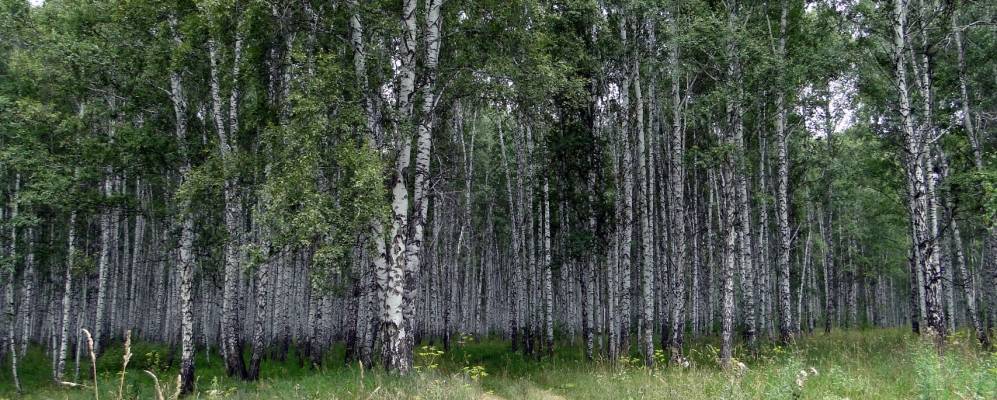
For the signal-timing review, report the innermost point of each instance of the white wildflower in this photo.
(741, 369)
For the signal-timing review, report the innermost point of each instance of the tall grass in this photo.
(869, 364)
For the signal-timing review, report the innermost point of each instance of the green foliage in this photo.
(145, 356)
(427, 357)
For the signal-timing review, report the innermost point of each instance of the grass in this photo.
(867, 364)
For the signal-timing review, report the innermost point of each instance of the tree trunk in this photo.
(548, 301)
(516, 265)
(392, 277)
(625, 225)
(28, 287)
(646, 341)
(186, 256)
(804, 288)
(231, 326)
(676, 177)
(9, 292)
(918, 203)
(964, 279)
(729, 230)
(827, 221)
(742, 206)
(990, 241)
(67, 292)
(137, 261)
(589, 294)
(782, 199)
(107, 240)
(420, 194)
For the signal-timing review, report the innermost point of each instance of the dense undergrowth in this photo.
(868, 364)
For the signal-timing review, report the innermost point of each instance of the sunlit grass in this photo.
(868, 364)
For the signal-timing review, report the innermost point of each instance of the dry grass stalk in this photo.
(93, 363)
(176, 394)
(124, 365)
(159, 389)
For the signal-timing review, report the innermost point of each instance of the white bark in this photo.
(625, 224)
(647, 244)
(676, 187)
(420, 197)
(28, 287)
(186, 256)
(104, 264)
(548, 301)
(917, 197)
(67, 292)
(393, 328)
(9, 292)
(782, 199)
(516, 264)
(233, 207)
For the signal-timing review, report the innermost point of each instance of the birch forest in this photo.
(497, 199)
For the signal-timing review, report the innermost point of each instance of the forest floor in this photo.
(858, 364)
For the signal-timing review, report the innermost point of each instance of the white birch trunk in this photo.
(231, 326)
(67, 292)
(782, 191)
(646, 341)
(104, 263)
(9, 287)
(548, 301)
(186, 256)
(918, 203)
(28, 287)
(676, 177)
(420, 196)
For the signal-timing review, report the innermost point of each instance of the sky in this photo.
(36, 3)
